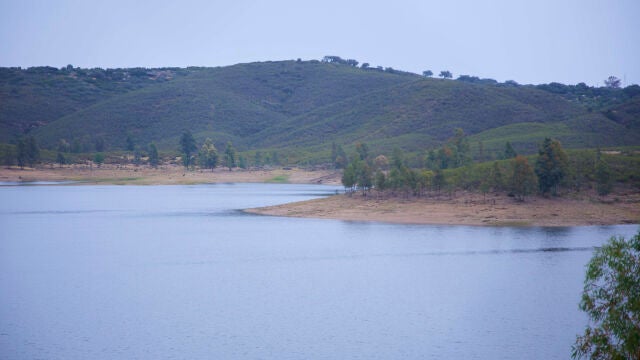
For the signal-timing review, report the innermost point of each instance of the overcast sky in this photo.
(530, 41)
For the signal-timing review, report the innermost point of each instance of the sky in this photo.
(529, 41)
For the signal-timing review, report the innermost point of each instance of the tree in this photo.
(612, 82)
(363, 151)
(154, 159)
(349, 177)
(21, 153)
(603, 177)
(230, 156)
(257, 160)
(98, 158)
(427, 73)
(33, 150)
(551, 166)
(8, 156)
(60, 159)
(445, 74)
(208, 155)
(611, 299)
(187, 147)
(242, 162)
(461, 147)
(523, 180)
(497, 179)
(509, 152)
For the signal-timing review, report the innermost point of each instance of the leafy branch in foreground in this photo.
(611, 298)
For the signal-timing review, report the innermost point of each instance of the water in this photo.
(164, 272)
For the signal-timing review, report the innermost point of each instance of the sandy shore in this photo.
(468, 209)
(166, 175)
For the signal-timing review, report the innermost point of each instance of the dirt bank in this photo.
(165, 175)
(469, 209)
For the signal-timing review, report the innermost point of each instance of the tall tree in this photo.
(551, 166)
(230, 156)
(33, 150)
(60, 159)
(427, 73)
(21, 153)
(208, 155)
(363, 151)
(188, 148)
(461, 147)
(154, 159)
(523, 180)
(603, 177)
(611, 299)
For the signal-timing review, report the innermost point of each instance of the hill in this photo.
(301, 107)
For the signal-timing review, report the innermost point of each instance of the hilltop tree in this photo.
(551, 166)
(208, 155)
(187, 147)
(427, 73)
(611, 299)
(230, 156)
(154, 159)
(445, 74)
(523, 180)
(612, 82)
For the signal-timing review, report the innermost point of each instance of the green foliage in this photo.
(509, 152)
(208, 155)
(523, 180)
(603, 178)
(60, 159)
(230, 156)
(301, 107)
(154, 159)
(187, 147)
(98, 158)
(551, 166)
(611, 299)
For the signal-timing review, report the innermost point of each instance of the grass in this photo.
(279, 179)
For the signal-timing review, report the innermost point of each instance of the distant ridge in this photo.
(301, 108)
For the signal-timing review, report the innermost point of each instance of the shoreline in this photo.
(464, 208)
(165, 175)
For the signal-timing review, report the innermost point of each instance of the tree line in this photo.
(449, 168)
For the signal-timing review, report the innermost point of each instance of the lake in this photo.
(178, 272)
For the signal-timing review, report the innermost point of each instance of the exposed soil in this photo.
(469, 209)
(165, 175)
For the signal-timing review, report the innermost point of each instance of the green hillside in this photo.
(301, 107)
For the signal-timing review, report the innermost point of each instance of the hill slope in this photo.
(296, 107)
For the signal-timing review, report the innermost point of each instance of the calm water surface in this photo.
(177, 272)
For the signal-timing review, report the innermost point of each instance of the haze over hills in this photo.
(300, 108)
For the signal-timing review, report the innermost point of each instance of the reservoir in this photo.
(180, 272)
